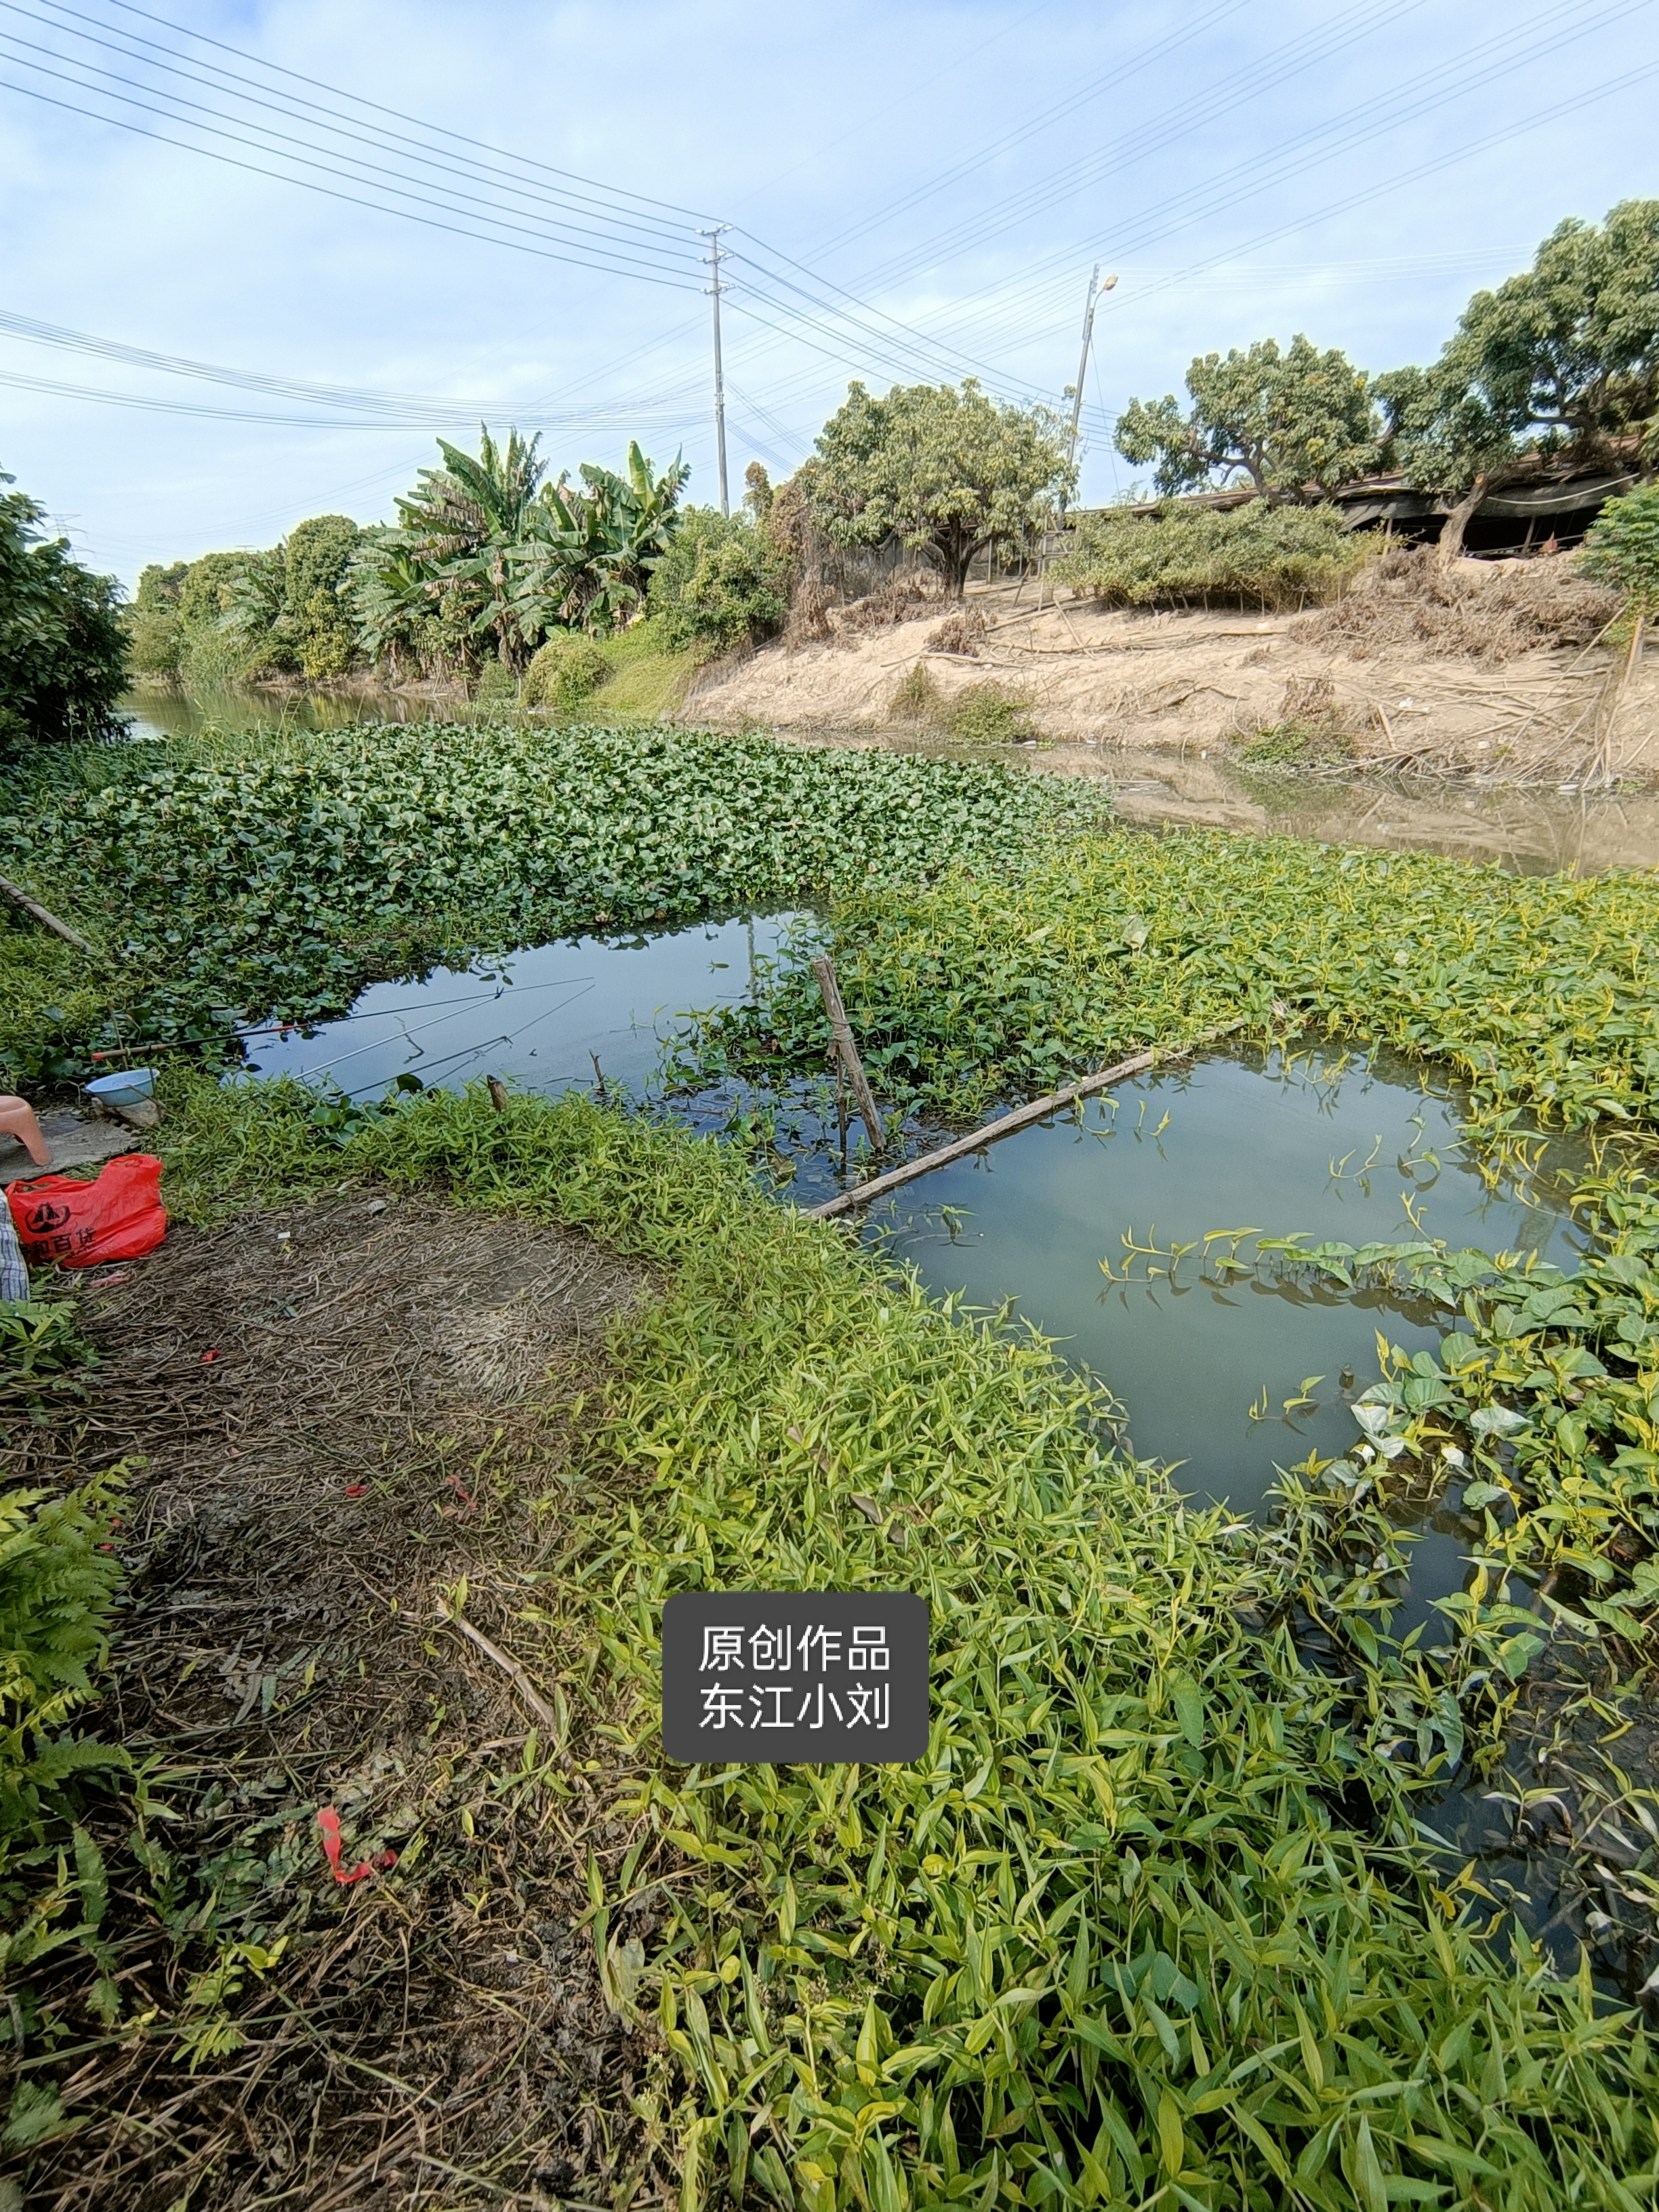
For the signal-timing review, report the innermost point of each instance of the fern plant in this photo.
(43, 1354)
(59, 1578)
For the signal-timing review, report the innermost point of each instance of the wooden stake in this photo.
(514, 1674)
(846, 1050)
(1039, 1109)
(44, 914)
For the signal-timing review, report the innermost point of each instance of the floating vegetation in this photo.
(1536, 990)
(283, 884)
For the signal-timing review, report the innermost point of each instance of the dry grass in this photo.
(900, 600)
(1486, 612)
(961, 633)
(386, 1410)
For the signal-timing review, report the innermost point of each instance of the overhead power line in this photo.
(527, 206)
(403, 410)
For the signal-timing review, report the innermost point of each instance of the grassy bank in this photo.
(1152, 1922)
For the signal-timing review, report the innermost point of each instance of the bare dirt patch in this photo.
(345, 1410)
(1189, 680)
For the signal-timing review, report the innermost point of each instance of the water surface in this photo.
(1212, 1363)
(540, 1019)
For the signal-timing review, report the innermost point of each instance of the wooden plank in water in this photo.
(1038, 1109)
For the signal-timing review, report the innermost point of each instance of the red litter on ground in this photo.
(356, 1489)
(206, 1356)
(328, 1820)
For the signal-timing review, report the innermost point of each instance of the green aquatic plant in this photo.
(1534, 989)
(1293, 744)
(987, 715)
(1153, 1920)
(284, 882)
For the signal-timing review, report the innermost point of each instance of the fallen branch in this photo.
(1038, 1109)
(515, 1674)
(44, 915)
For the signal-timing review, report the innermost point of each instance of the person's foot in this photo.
(18, 1119)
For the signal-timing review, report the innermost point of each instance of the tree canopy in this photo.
(1563, 358)
(948, 471)
(485, 548)
(63, 647)
(1292, 421)
(722, 584)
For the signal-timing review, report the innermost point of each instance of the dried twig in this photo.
(514, 1672)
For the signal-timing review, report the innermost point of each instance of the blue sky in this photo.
(914, 190)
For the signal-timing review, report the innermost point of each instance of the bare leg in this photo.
(17, 1119)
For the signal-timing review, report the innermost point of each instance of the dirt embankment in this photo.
(1432, 686)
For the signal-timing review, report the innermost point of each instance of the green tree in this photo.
(461, 521)
(495, 552)
(1293, 422)
(63, 643)
(586, 557)
(317, 613)
(721, 584)
(948, 472)
(1562, 359)
(1623, 549)
(154, 630)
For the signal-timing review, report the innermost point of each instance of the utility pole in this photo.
(713, 238)
(1097, 292)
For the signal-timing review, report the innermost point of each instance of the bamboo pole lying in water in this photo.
(1037, 1110)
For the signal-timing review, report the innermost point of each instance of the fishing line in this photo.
(409, 1036)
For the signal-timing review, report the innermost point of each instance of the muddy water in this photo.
(157, 714)
(1527, 831)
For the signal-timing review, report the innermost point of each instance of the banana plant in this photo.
(485, 545)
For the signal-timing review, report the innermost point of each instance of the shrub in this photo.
(1623, 549)
(1257, 555)
(721, 584)
(63, 644)
(154, 641)
(566, 671)
(918, 698)
(985, 714)
(498, 685)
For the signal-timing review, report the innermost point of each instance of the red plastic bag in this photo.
(119, 1216)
